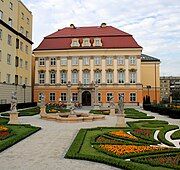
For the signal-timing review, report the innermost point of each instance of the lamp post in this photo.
(148, 87)
(24, 87)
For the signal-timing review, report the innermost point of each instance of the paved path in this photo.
(45, 149)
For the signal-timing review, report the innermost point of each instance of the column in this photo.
(103, 70)
(80, 69)
(36, 71)
(115, 70)
(127, 69)
(69, 69)
(58, 71)
(47, 71)
(92, 69)
(138, 70)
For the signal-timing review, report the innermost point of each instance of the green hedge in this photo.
(176, 135)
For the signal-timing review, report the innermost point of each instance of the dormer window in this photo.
(97, 42)
(86, 42)
(75, 42)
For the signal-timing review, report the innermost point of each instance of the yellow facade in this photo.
(16, 22)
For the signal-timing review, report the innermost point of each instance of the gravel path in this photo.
(45, 149)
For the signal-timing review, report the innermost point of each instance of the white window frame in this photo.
(75, 42)
(132, 60)
(99, 97)
(108, 96)
(109, 60)
(85, 61)
(120, 60)
(133, 97)
(97, 77)
(132, 77)
(41, 61)
(121, 77)
(53, 61)
(74, 97)
(97, 60)
(109, 76)
(63, 97)
(9, 59)
(63, 61)
(41, 77)
(9, 39)
(86, 77)
(63, 77)
(74, 61)
(86, 42)
(53, 77)
(74, 77)
(52, 96)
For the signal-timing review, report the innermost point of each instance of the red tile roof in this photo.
(111, 38)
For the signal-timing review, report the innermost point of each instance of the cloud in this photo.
(154, 24)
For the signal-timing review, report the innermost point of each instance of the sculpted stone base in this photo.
(120, 120)
(112, 111)
(13, 118)
(43, 110)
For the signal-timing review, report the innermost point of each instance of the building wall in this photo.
(150, 76)
(25, 55)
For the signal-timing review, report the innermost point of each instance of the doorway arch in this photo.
(86, 98)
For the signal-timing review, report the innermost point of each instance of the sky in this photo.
(155, 24)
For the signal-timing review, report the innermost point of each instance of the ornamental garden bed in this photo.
(12, 134)
(123, 147)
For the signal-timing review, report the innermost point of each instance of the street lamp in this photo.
(24, 87)
(148, 87)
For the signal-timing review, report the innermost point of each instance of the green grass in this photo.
(103, 112)
(83, 149)
(135, 114)
(176, 135)
(4, 120)
(26, 112)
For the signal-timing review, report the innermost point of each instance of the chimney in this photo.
(103, 24)
(72, 26)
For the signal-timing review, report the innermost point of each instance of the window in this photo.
(0, 34)
(74, 77)
(1, 15)
(8, 78)
(109, 96)
(97, 77)
(132, 97)
(85, 60)
(10, 22)
(132, 60)
(27, 34)
(86, 42)
(28, 21)
(0, 55)
(120, 60)
(27, 51)
(64, 61)
(86, 77)
(16, 61)
(52, 77)
(53, 61)
(21, 30)
(63, 77)
(41, 61)
(21, 63)
(9, 40)
(22, 15)
(74, 97)
(99, 97)
(97, 61)
(132, 75)
(40, 96)
(74, 61)
(63, 97)
(75, 42)
(121, 77)
(109, 76)
(119, 95)
(20, 81)
(97, 42)
(109, 60)
(17, 43)
(26, 65)
(26, 81)
(21, 46)
(9, 59)
(52, 97)
(11, 5)
(41, 77)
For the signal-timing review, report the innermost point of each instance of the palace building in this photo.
(90, 65)
(15, 51)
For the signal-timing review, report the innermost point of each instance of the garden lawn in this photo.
(26, 112)
(176, 135)
(135, 114)
(83, 147)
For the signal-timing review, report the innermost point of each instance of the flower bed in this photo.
(122, 134)
(4, 132)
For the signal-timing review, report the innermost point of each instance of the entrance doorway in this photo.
(86, 98)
